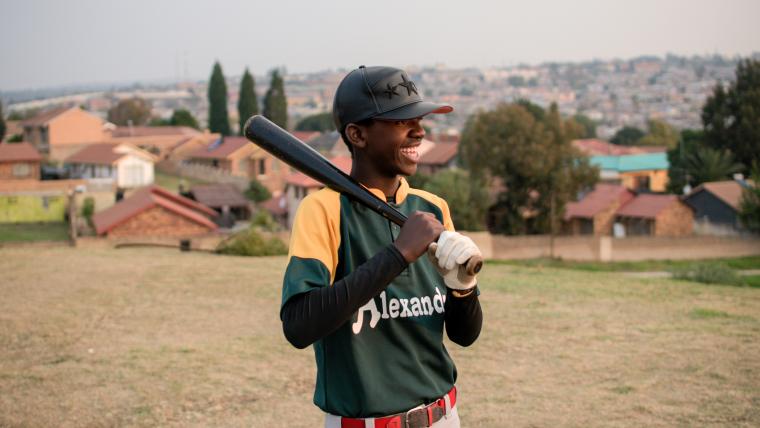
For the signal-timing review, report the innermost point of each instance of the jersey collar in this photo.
(401, 193)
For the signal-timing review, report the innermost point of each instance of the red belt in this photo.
(418, 417)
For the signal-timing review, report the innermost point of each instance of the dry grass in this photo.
(145, 337)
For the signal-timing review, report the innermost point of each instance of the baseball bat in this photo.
(289, 149)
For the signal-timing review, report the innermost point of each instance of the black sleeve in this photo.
(313, 315)
(463, 317)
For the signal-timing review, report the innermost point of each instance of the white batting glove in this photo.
(450, 253)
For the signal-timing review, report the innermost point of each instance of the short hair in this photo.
(363, 122)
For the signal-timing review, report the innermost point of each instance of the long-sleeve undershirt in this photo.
(315, 314)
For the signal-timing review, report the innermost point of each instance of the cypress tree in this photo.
(217, 102)
(2, 122)
(248, 105)
(275, 103)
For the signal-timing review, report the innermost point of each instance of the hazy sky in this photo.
(53, 42)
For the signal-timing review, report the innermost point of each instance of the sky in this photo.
(50, 43)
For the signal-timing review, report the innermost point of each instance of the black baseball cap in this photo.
(380, 93)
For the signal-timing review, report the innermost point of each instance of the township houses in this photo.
(717, 204)
(154, 211)
(299, 185)
(120, 165)
(173, 142)
(239, 157)
(642, 214)
(60, 132)
(19, 161)
(595, 147)
(638, 172)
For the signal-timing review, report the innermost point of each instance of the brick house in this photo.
(122, 165)
(162, 140)
(638, 172)
(19, 161)
(595, 213)
(155, 212)
(656, 215)
(717, 204)
(240, 157)
(60, 132)
(223, 198)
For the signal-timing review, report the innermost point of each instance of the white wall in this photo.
(134, 171)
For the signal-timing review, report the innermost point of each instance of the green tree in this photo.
(678, 173)
(749, 208)
(182, 117)
(467, 198)
(134, 111)
(248, 105)
(660, 134)
(627, 136)
(257, 192)
(731, 116)
(322, 122)
(528, 151)
(218, 121)
(275, 103)
(588, 125)
(2, 122)
(707, 164)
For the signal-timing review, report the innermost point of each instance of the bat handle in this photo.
(471, 266)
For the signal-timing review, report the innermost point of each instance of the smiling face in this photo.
(392, 146)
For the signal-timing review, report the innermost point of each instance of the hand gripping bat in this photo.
(289, 149)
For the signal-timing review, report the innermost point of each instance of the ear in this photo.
(357, 135)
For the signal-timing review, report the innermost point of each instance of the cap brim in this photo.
(415, 110)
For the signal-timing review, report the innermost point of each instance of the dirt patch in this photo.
(146, 337)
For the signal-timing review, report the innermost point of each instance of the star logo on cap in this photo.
(391, 91)
(409, 85)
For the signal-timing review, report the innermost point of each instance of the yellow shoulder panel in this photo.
(439, 202)
(316, 229)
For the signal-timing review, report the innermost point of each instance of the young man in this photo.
(357, 286)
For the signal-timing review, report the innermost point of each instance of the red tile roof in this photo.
(221, 150)
(99, 154)
(594, 147)
(302, 180)
(146, 198)
(219, 195)
(151, 131)
(440, 154)
(14, 152)
(646, 205)
(599, 199)
(45, 116)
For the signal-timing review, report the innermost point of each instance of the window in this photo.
(262, 166)
(21, 169)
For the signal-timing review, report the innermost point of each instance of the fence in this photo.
(604, 248)
(201, 172)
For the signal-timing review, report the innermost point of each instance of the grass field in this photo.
(750, 262)
(30, 232)
(155, 337)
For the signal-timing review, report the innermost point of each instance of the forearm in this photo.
(464, 317)
(311, 316)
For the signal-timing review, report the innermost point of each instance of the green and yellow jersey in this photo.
(389, 357)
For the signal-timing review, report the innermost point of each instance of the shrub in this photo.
(251, 243)
(257, 192)
(264, 221)
(708, 273)
(88, 209)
